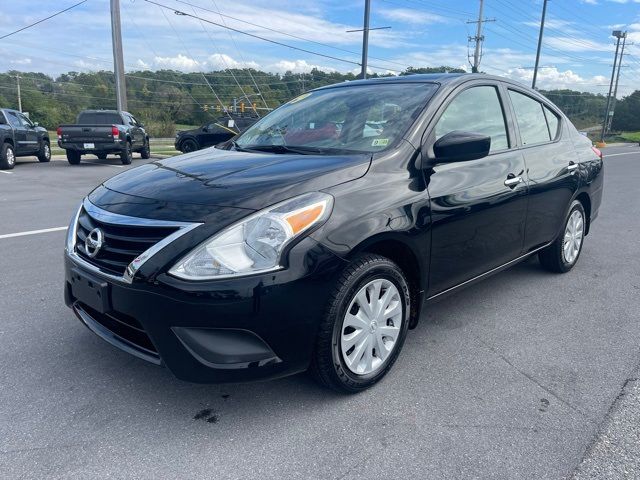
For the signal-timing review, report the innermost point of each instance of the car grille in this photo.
(121, 245)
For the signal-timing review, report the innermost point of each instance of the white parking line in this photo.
(4, 171)
(615, 154)
(32, 232)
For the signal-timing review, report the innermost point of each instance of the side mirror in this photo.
(460, 146)
(141, 125)
(36, 124)
(205, 128)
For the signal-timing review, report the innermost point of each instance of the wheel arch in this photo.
(584, 198)
(396, 248)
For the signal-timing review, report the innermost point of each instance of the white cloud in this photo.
(414, 17)
(552, 78)
(224, 61)
(180, 62)
(296, 66)
(21, 61)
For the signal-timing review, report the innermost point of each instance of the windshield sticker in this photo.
(300, 97)
(380, 142)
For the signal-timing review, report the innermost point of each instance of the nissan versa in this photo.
(315, 238)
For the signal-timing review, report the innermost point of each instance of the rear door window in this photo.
(478, 110)
(530, 118)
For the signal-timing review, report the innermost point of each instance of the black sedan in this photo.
(214, 133)
(315, 240)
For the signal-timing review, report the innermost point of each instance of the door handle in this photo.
(572, 167)
(512, 180)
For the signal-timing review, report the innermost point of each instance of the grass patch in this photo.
(630, 137)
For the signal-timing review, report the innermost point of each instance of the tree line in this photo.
(161, 99)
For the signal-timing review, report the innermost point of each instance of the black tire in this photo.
(328, 365)
(73, 157)
(126, 155)
(101, 156)
(44, 155)
(189, 145)
(7, 157)
(552, 258)
(145, 153)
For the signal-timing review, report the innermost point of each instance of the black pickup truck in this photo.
(20, 137)
(100, 132)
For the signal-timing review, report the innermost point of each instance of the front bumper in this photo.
(228, 330)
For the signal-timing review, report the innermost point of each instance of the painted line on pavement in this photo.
(604, 154)
(32, 232)
(4, 171)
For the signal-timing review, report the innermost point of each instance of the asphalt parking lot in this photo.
(522, 376)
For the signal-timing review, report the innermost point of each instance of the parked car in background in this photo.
(100, 132)
(213, 133)
(20, 137)
(301, 245)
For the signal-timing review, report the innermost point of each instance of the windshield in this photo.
(363, 118)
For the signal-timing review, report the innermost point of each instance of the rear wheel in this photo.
(145, 153)
(126, 155)
(44, 155)
(563, 253)
(73, 157)
(364, 327)
(7, 157)
(189, 145)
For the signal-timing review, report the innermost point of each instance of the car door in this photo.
(551, 166)
(19, 133)
(31, 134)
(208, 135)
(136, 132)
(478, 207)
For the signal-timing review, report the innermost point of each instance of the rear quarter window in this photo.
(553, 122)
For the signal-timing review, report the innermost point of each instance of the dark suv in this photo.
(20, 137)
(213, 133)
(316, 238)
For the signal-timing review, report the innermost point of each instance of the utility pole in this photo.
(615, 88)
(19, 96)
(535, 69)
(365, 38)
(479, 38)
(619, 35)
(118, 62)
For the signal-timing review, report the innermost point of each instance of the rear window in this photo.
(99, 118)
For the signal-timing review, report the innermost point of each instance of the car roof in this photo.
(440, 78)
(101, 111)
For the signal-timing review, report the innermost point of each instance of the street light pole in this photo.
(535, 69)
(118, 62)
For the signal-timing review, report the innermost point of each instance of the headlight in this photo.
(255, 244)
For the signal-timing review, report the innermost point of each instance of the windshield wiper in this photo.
(278, 149)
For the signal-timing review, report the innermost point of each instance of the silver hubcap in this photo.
(573, 237)
(47, 151)
(11, 158)
(371, 327)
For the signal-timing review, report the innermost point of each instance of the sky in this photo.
(577, 50)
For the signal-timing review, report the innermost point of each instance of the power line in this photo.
(42, 20)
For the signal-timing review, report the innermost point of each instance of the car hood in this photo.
(237, 179)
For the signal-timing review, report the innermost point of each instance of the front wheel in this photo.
(563, 253)
(44, 155)
(126, 155)
(364, 327)
(189, 145)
